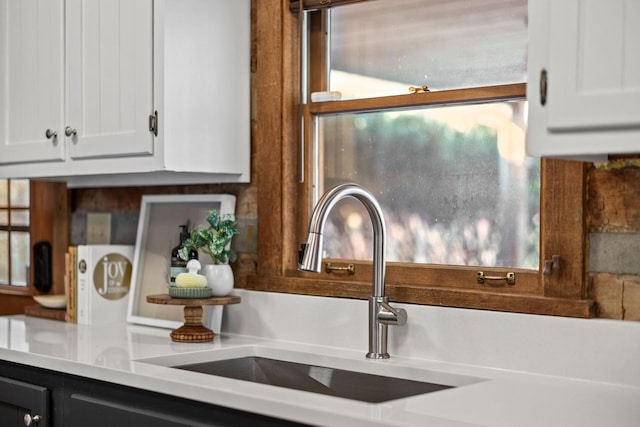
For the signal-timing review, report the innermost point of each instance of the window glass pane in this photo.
(19, 192)
(383, 47)
(4, 217)
(19, 258)
(20, 217)
(454, 184)
(4, 257)
(4, 195)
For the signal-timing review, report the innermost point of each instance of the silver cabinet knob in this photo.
(51, 134)
(29, 420)
(69, 131)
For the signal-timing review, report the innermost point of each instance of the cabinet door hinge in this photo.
(153, 123)
(543, 87)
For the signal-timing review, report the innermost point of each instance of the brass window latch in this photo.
(419, 89)
(510, 278)
(349, 268)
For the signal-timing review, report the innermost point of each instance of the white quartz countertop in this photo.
(140, 356)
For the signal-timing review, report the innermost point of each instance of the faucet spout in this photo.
(311, 251)
(381, 314)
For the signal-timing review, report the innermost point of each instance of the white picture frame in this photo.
(158, 233)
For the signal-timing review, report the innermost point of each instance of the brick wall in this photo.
(124, 206)
(613, 210)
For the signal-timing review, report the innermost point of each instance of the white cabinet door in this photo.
(589, 50)
(203, 81)
(594, 67)
(109, 77)
(31, 80)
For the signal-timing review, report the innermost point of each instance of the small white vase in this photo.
(219, 277)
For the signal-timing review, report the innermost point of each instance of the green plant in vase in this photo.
(213, 239)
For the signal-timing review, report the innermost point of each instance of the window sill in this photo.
(426, 295)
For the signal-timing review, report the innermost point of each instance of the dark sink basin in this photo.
(317, 379)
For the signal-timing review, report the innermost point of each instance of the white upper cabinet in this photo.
(31, 80)
(109, 90)
(137, 92)
(584, 78)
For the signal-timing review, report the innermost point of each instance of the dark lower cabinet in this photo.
(104, 412)
(63, 400)
(23, 404)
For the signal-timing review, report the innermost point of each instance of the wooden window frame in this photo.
(283, 208)
(48, 221)
(10, 228)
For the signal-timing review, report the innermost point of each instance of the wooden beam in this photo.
(50, 223)
(269, 83)
(562, 212)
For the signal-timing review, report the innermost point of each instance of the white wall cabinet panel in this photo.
(203, 83)
(109, 89)
(187, 60)
(31, 80)
(590, 54)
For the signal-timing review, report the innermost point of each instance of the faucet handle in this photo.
(388, 315)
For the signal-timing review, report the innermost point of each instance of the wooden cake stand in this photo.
(193, 330)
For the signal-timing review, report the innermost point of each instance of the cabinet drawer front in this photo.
(108, 413)
(19, 398)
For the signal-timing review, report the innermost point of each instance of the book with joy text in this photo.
(103, 283)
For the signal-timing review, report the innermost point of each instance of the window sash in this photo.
(318, 79)
(510, 92)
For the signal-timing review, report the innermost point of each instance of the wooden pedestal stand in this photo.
(193, 330)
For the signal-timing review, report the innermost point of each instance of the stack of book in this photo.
(97, 281)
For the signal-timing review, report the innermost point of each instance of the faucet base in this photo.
(377, 355)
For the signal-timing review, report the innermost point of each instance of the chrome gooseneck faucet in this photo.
(381, 314)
